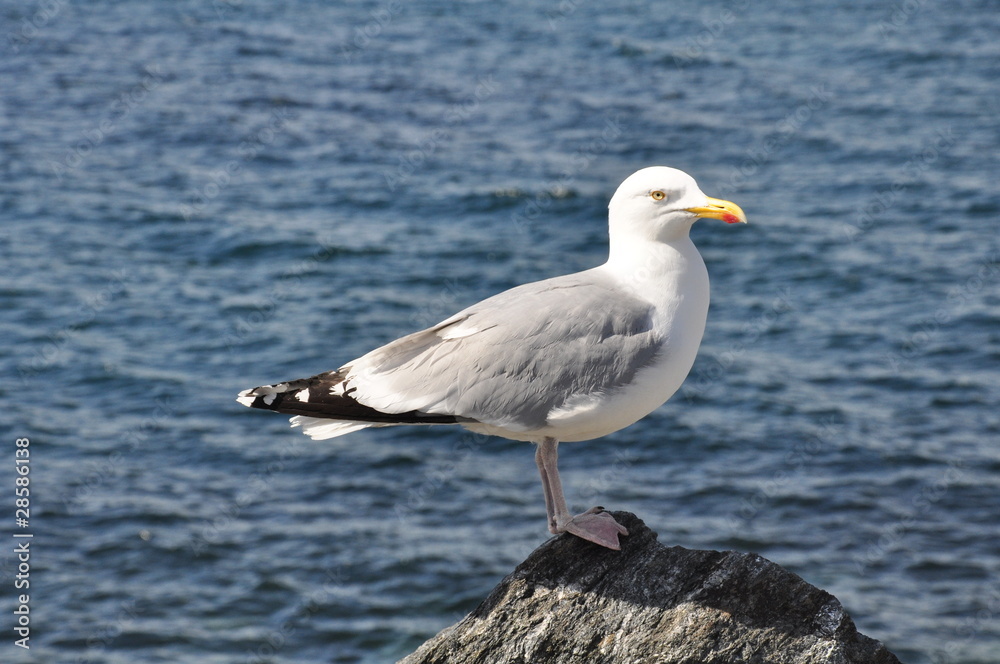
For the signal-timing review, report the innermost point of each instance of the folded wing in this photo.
(508, 361)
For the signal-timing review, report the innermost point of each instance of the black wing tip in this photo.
(314, 397)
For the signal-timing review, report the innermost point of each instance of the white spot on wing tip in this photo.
(265, 392)
(303, 395)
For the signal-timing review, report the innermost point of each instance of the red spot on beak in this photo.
(730, 219)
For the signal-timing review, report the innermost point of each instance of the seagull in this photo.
(565, 359)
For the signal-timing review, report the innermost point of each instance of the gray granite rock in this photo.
(572, 602)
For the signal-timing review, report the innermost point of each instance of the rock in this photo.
(575, 602)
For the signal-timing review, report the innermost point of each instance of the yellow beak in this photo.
(731, 213)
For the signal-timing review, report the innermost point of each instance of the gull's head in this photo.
(661, 203)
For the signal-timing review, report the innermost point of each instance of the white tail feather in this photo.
(319, 428)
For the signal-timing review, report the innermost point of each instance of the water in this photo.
(202, 197)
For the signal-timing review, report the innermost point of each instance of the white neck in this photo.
(654, 269)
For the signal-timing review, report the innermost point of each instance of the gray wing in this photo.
(514, 358)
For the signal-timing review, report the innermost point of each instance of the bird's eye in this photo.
(657, 195)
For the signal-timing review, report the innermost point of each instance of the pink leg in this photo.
(594, 525)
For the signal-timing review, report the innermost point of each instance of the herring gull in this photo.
(565, 359)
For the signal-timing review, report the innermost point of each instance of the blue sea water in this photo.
(199, 197)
